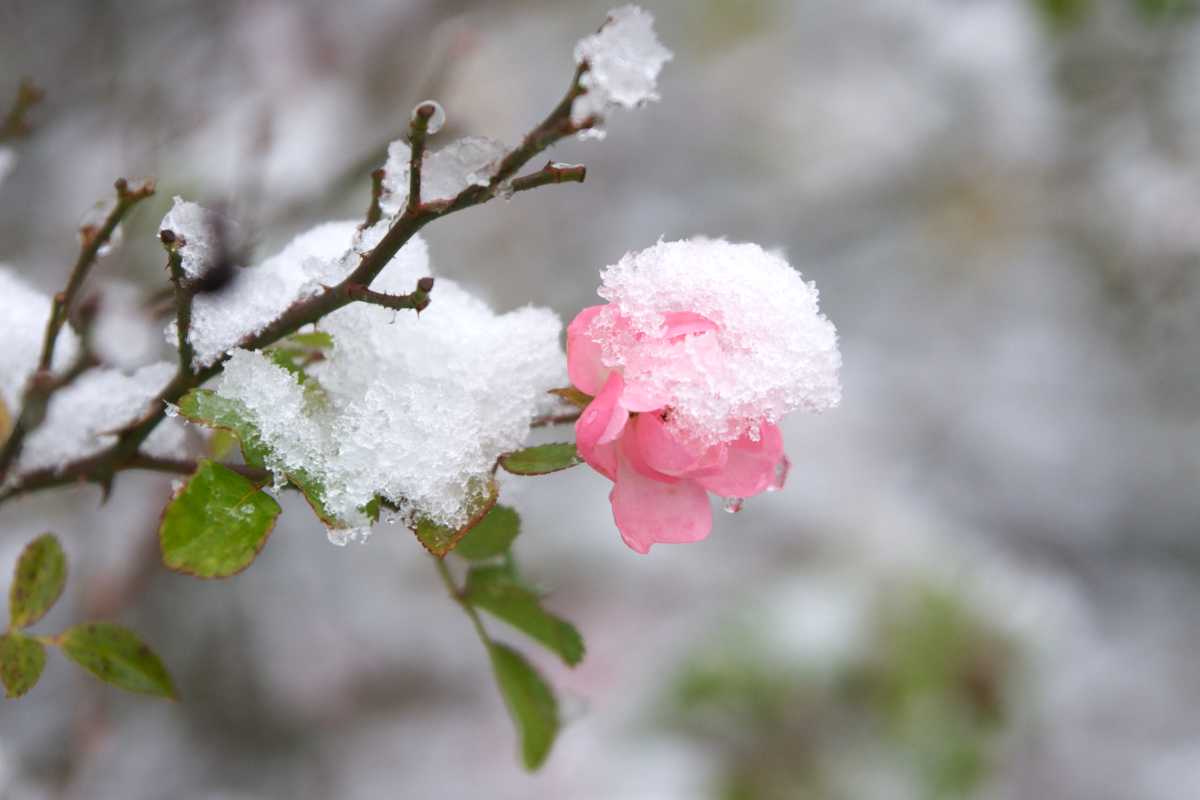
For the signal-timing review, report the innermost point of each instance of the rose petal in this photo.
(584, 367)
(750, 467)
(661, 450)
(684, 323)
(649, 512)
(600, 424)
(639, 396)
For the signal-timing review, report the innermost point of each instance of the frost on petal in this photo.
(623, 60)
(321, 256)
(771, 351)
(415, 409)
(198, 229)
(23, 315)
(85, 416)
(471, 161)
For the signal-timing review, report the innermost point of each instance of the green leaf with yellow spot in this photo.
(116, 655)
(38, 581)
(216, 524)
(21, 660)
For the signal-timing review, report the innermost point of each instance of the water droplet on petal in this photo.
(437, 120)
(781, 472)
(732, 505)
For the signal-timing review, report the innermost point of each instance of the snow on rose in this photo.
(703, 347)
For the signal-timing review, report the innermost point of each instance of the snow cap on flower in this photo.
(703, 346)
(624, 59)
(772, 351)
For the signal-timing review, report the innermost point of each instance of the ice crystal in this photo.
(623, 60)
(471, 161)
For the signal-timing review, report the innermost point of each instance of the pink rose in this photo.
(704, 346)
(661, 481)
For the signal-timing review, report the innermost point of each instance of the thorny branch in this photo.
(102, 467)
(43, 384)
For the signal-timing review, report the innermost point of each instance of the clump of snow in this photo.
(773, 351)
(197, 228)
(471, 161)
(85, 417)
(413, 408)
(8, 162)
(322, 256)
(24, 312)
(623, 60)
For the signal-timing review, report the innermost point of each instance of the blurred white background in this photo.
(983, 575)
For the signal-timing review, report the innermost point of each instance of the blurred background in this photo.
(983, 577)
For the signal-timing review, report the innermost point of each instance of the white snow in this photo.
(413, 408)
(24, 312)
(86, 416)
(322, 256)
(773, 352)
(624, 59)
(196, 227)
(471, 161)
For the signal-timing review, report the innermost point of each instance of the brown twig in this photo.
(417, 300)
(183, 300)
(43, 383)
(15, 125)
(374, 211)
(123, 454)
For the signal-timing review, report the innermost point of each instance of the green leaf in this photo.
(216, 525)
(530, 703)
(492, 536)
(206, 407)
(573, 396)
(315, 340)
(21, 661)
(38, 581)
(541, 459)
(439, 539)
(116, 655)
(494, 590)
